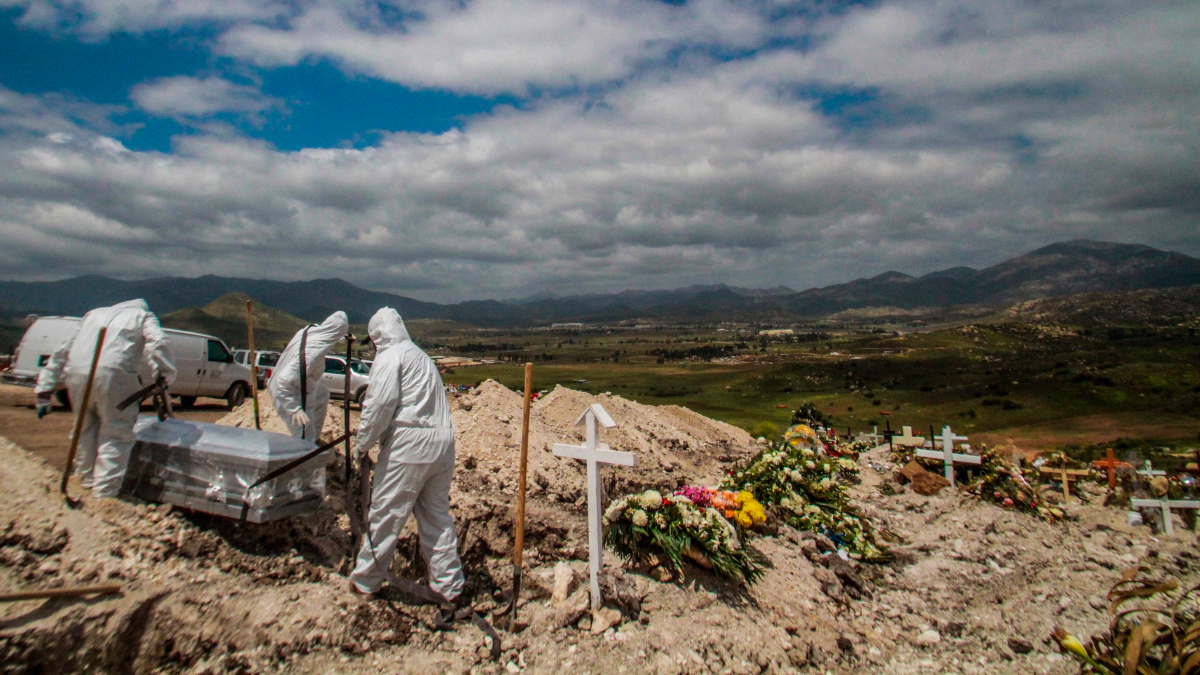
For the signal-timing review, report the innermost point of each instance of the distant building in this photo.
(567, 325)
(777, 331)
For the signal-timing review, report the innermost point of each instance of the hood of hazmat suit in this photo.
(284, 386)
(106, 434)
(405, 390)
(406, 412)
(134, 335)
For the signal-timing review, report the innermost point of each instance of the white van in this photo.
(205, 363)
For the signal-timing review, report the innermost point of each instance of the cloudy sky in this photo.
(460, 149)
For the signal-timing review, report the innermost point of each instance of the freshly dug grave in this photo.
(974, 588)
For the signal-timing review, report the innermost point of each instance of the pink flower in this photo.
(1008, 501)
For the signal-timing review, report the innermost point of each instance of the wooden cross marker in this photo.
(1166, 505)
(947, 454)
(907, 439)
(1064, 474)
(594, 453)
(1111, 464)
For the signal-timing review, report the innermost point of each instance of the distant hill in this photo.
(1066, 268)
(225, 317)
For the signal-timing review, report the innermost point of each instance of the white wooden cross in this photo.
(907, 439)
(1166, 505)
(874, 438)
(947, 454)
(594, 453)
(1149, 471)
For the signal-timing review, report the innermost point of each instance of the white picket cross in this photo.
(947, 455)
(594, 453)
(1166, 505)
(1149, 471)
(874, 438)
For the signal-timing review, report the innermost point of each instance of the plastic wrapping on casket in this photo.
(207, 467)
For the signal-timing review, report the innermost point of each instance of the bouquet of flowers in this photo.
(1005, 484)
(639, 525)
(742, 508)
(806, 489)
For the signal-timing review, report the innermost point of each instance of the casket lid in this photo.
(217, 439)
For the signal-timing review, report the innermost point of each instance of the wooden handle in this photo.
(253, 361)
(519, 550)
(82, 410)
(102, 589)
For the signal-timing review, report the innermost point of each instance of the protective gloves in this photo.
(300, 419)
(45, 403)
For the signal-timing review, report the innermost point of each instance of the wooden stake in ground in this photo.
(253, 361)
(80, 412)
(519, 546)
(594, 453)
(102, 589)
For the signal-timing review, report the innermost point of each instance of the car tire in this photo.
(360, 395)
(64, 399)
(187, 401)
(236, 395)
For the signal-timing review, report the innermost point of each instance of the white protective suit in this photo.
(284, 385)
(405, 410)
(106, 437)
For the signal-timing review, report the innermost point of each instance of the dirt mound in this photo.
(974, 588)
(243, 416)
(190, 599)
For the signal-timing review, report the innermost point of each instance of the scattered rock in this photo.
(1020, 645)
(929, 638)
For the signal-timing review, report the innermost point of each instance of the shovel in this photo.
(82, 411)
(519, 546)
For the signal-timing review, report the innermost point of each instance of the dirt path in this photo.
(49, 437)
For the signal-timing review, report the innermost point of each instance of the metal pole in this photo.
(253, 363)
(81, 411)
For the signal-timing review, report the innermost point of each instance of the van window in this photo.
(268, 359)
(335, 366)
(217, 352)
(240, 356)
(360, 367)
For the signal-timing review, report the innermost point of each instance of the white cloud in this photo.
(972, 131)
(191, 97)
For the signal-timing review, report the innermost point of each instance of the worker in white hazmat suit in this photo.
(406, 411)
(305, 421)
(106, 438)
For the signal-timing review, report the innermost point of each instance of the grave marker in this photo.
(1166, 505)
(1111, 464)
(594, 453)
(907, 439)
(1065, 475)
(947, 454)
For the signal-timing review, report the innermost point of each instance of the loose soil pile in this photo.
(973, 589)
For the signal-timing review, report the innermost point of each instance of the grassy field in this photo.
(1043, 386)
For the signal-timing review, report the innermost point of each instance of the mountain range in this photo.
(1065, 268)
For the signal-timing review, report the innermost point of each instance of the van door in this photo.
(335, 376)
(217, 369)
(189, 362)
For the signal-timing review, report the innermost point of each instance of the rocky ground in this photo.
(973, 589)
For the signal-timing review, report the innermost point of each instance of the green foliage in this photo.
(807, 413)
(764, 430)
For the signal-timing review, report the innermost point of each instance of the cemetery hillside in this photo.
(979, 472)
